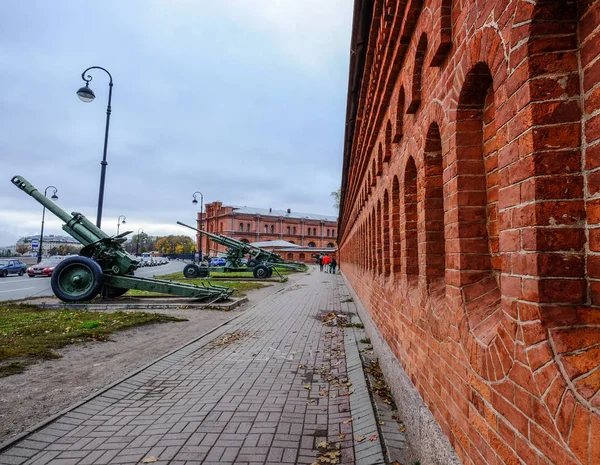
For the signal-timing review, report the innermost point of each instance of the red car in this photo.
(44, 268)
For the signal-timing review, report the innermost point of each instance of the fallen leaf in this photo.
(151, 459)
(373, 438)
(308, 386)
(402, 428)
(348, 420)
(302, 366)
(310, 401)
(360, 438)
(323, 393)
(323, 444)
(342, 436)
(382, 422)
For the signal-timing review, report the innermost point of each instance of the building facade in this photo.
(51, 244)
(470, 222)
(248, 224)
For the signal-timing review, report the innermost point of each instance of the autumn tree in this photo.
(175, 245)
(22, 247)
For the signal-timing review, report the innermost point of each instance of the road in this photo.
(16, 287)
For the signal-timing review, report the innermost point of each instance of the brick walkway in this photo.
(266, 388)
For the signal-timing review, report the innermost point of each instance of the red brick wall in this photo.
(470, 218)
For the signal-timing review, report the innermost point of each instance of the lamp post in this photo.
(41, 244)
(195, 202)
(119, 222)
(86, 95)
(137, 243)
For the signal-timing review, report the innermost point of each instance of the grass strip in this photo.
(239, 287)
(29, 333)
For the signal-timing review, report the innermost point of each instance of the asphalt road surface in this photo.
(15, 287)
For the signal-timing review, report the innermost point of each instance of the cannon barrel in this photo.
(238, 245)
(76, 224)
(30, 189)
(220, 239)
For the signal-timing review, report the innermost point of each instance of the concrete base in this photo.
(426, 441)
(139, 303)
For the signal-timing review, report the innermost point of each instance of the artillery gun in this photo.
(260, 261)
(103, 266)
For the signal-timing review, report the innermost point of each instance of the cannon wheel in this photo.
(191, 271)
(76, 279)
(270, 272)
(261, 272)
(251, 263)
(202, 272)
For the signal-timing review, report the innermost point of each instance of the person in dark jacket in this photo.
(320, 262)
(333, 265)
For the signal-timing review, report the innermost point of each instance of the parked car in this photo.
(45, 267)
(218, 261)
(12, 267)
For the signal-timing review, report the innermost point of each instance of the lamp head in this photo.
(195, 202)
(86, 94)
(123, 222)
(54, 197)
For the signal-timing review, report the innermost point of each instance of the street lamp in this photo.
(55, 198)
(86, 95)
(195, 202)
(119, 222)
(137, 243)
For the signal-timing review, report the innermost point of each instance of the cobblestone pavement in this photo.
(267, 388)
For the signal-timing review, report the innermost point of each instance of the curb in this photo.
(364, 423)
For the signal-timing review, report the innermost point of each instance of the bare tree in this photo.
(336, 198)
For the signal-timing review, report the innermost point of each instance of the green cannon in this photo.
(260, 261)
(103, 266)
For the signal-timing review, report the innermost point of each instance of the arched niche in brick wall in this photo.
(433, 209)
(417, 75)
(379, 168)
(387, 154)
(385, 232)
(474, 202)
(379, 238)
(373, 242)
(374, 172)
(398, 133)
(409, 220)
(396, 228)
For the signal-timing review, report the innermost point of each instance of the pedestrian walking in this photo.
(333, 265)
(320, 262)
(326, 261)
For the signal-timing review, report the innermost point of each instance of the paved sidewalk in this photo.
(267, 388)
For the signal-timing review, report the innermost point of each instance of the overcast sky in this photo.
(243, 100)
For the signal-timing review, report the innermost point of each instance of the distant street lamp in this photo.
(119, 222)
(137, 243)
(195, 202)
(55, 198)
(86, 95)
